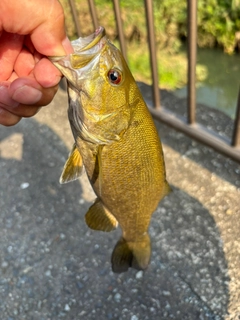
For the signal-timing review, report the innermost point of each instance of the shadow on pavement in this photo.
(54, 267)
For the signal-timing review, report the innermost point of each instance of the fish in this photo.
(117, 143)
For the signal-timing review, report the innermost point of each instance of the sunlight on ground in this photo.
(212, 194)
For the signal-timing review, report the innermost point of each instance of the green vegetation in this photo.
(218, 26)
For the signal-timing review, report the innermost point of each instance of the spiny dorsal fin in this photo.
(73, 166)
(99, 218)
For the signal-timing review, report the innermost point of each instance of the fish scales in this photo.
(117, 143)
(127, 176)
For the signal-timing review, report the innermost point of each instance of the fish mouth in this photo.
(85, 49)
(88, 43)
(89, 46)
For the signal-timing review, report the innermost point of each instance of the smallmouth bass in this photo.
(117, 143)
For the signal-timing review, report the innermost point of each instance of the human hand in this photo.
(29, 32)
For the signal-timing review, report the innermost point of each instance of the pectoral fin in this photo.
(99, 218)
(73, 166)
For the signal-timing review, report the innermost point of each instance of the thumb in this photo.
(42, 20)
(50, 38)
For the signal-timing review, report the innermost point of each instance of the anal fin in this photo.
(73, 166)
(99, 218)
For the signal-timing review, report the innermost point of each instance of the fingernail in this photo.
(27, 95)
(5, 99)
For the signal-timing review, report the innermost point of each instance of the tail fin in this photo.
(135, 254)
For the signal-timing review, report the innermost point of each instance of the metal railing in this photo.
(188, 125)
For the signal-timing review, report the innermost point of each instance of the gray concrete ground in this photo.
(53, 267)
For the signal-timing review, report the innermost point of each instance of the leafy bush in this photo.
(218, 21)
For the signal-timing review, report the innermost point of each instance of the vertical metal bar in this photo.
(236, 130)
(152, 50)
(93, 13)
(117, 12)
(192, 54)
(75, 17)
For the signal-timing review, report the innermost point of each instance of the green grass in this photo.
(172, 68)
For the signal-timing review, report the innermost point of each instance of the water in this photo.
(220, 88)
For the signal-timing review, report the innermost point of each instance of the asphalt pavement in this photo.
(53, 267)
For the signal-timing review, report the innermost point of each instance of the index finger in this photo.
(50, 38)
(11, 45)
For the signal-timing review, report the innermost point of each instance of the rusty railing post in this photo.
(192, 56)
(93, 12)
(236, 130)
(75, 17)
(152, 49)
(118, 18)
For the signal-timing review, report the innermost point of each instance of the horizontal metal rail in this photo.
(197, 132)
(230, 148)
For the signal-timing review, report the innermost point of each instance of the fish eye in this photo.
(114, 76)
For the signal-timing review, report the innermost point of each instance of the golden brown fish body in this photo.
(117, 143)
